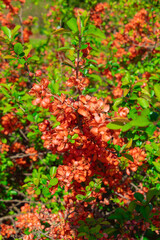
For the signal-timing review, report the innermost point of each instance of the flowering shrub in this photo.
(79, 121)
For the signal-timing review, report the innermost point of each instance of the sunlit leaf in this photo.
(72, 24)
(61, 31)
(157, 91)
(18, 48)
(7, 32)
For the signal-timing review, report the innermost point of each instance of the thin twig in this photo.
(78, 51)
(22, 155)
(62, 102)
(120, 195)
(132, 184)
(22, 133)
(142, 235)
(21, 23)
(19, 192)
(14, 200)
(9, 217)
(40, 232)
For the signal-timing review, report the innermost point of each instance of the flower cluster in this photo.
(95, 13)
(10, 123)
(43, 95)
(137, 36)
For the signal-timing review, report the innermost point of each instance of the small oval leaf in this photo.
(53, 182)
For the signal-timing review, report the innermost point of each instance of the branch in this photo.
(77, 68)
(9, 217)
(142, 235)
(22, 133)
(45, 234)
(21, 23)
(62, 102)
(120, 195)
(19, 201)
(19, 192)
(22, 155)
(133, 185)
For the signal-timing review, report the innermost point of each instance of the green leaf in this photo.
(95, 77)
(27, 180)
(18, 48)
(146, 212)
(143, 102)
(120, 120)
(95, 32)
(128, 156)
(105, 222)
(38, 192)
(44, 181)
(21, 61)
(157, 166)
(7, 32)
(139, 196)
(88, 188)
(72, 24)
(90, 199)
(148, 147)
(7, 108)
(95, 229)
(26, 231)
(45, 191)
(31, 134)
(150, 129)
(13, 192)
(34, 58)
(30, 118)
(117, 102)
(120, 214)
(80, 197)
(82, 234)
(36, 181)
(75, 136)
(65, 49)
(53, 171)
(133, 97)
(83, 229)
(5, 92)
(15, 30)
(99, 235)
(129, 144)
(115, 125)
(88, 193)
(81, 222)
(26, 51)
(126, 127)
(157, 91)
(132, 206)
(151, 193)
(91, 184)
(84, 46)
(126, 79)
(110, 230)
(60, 31)
(9, 57)
(91, 90)
(69, 63)
(53, 182)
(158, 186)
(140, 121)
(155, 146)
